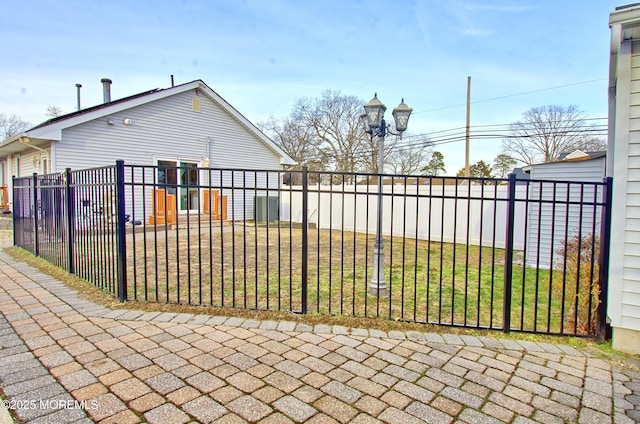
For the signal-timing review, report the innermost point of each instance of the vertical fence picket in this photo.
(70, 207)
(605, 245)
(508, 257)
(305, 236)
(36, 224)
(17, 212)
(121, 233)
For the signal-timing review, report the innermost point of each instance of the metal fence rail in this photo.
(65, 219)
(24, 217)
(250, 261)
(510, 254)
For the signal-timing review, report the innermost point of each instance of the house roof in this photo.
(93, 108)
(575, 156)
(625, 25)
(580, 155)
(52, 129)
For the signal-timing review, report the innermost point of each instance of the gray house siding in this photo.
(168, 129)
(27, 163)
(546, 236)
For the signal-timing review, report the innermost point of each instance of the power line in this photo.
(599, 131)
(506, 127)
(512, 95)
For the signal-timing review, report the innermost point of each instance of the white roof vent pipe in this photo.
(106, 89)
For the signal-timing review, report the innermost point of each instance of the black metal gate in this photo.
(508, 254)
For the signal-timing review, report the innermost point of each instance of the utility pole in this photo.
(466, 150)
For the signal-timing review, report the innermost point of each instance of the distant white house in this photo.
(547, 222)
(188, 126)
(577, 166)
(623, 164)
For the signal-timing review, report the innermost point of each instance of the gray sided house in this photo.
(547, 222)
(623, 165)
(183, 128)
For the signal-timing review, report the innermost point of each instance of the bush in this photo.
(581, 291)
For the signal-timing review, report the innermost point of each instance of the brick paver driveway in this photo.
(67, 360)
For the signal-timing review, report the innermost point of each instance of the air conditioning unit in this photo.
(265, 208)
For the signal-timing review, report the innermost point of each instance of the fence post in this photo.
(36, 243)
(508, 254)
(305, 235)
(605, 245)
(121, 236)
(15, 210)
(70, 220)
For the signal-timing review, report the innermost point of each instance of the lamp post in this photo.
(375, 125)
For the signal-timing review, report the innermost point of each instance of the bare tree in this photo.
(368, 159)
(408, 159)
(327, 134)
(544, 133)
(12, 125)
(335, 120)
(54, 111)
(293, 137)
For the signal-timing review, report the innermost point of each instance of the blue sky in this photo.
(263, 55)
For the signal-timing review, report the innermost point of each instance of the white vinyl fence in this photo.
(474, 215)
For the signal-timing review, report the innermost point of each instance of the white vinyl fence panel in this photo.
(476, 215)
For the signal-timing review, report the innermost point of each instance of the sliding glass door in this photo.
(180, 178)
(188, 186)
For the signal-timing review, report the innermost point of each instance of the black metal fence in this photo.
(524, 255)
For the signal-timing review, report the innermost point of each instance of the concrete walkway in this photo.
(63, 359)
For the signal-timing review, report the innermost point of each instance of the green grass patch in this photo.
(261, 268)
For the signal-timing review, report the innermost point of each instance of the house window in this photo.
(181, 178)
(167, 175)
(45, 165)
(195, 105)
(188, 186)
